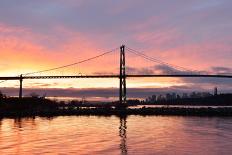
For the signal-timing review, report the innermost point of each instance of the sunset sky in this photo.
(42, 34)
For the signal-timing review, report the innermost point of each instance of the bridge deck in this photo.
(115, 76)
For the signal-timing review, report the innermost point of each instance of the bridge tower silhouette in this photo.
(176, 71)
(21, 86)
(122, 77)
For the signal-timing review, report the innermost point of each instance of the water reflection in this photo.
(116, 135)
(122, 134)
(23, 122)
(0, 124)
(18, 122)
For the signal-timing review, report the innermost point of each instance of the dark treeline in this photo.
(39, 106)
(30, 107)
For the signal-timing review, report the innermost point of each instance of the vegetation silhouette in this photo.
(39, 106)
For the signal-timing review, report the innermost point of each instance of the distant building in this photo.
(185, 95)
(215, 91)
(168, 96)
(171, 96)
(160, 98)
(153, 98)
(194, 95)
(205, 94)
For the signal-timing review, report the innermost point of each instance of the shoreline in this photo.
(157, 111)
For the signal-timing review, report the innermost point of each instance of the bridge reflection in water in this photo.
(19, 123)
(109, 135)
(122, 134)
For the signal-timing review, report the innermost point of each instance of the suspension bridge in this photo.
(122, 76)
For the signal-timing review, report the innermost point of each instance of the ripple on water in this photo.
(114, 135)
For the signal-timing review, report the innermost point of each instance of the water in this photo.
(114, 135)
(91, 99)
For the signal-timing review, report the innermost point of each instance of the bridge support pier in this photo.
(122, 86)
(21, 87)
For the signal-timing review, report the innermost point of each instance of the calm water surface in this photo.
(114, 135)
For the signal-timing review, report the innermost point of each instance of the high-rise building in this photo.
(185, 95)
(153, 98)
(215, 91)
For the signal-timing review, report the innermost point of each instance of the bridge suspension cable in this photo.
(172, 66)
(72, 64)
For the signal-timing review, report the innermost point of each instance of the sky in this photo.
(37, 35)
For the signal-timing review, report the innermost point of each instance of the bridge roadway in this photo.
(113, 76)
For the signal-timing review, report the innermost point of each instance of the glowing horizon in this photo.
(57, 33)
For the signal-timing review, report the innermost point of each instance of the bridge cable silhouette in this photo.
(122, 76)
(65, 66)
(176, 67)
(76, 63)
(172, 66)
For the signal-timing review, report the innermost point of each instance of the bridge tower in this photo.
(21, 86)
(122, 86)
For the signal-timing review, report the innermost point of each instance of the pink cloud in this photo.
(27, 54)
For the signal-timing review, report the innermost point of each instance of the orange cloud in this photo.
(25, 51)
(23, 54)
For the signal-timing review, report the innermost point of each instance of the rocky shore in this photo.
(174, 111)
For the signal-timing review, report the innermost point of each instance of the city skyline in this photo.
(115, 77)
